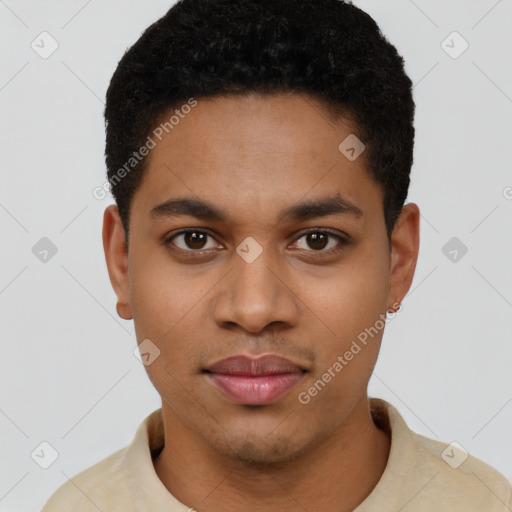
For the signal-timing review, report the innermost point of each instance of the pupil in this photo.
(195, 240)
(317, 240)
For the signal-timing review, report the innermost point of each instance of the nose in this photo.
(255, 295)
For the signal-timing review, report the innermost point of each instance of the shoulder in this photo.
(87, 491)
(424, 474)
(458, 480)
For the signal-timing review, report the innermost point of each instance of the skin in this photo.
(252, 156)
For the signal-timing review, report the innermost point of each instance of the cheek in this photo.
(162, 294)
(171, 308)
(345, 361)
(350, 299)
(348, 320)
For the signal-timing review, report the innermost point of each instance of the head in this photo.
(280, 134)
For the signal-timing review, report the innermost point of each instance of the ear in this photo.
(116, 255)
(405, 243)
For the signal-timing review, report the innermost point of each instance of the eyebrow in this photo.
(204, 210)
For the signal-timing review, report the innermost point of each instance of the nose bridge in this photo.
(254, 295)
(255, 278)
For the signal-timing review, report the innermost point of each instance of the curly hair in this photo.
(328, 49)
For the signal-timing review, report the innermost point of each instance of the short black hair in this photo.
(328, 49)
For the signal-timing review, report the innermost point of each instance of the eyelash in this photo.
(343, 241)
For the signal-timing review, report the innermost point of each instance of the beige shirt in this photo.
(422, 475)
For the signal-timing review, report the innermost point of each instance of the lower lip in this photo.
(255, 390)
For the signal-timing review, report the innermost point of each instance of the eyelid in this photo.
(343, 239)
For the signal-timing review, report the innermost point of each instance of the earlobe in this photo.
(116, 256)
(395, 307)
(124, 311)
(404, 251)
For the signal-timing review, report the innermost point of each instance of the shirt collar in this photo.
(150, 494)
(386, 495)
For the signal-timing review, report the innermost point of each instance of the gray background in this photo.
(68, 373)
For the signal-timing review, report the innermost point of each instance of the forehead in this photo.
(251, 155)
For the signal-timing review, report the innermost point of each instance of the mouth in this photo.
(255, 381)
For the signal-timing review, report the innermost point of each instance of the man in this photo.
(259, 152)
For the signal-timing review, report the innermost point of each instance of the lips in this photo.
(255, 381)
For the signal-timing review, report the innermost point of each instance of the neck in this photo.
(341, 470)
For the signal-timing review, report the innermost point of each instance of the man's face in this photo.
(254, 282)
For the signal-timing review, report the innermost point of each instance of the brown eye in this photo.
(195, 240)
(317, 240)
(191, 240)
(320, 241)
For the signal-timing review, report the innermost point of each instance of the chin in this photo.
(264, 452)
